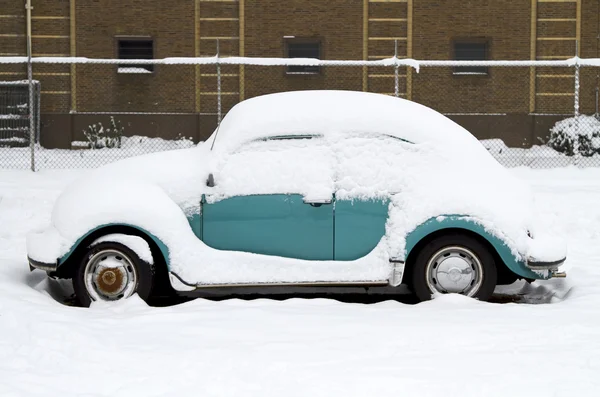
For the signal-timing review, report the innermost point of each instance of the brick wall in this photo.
(505, 25)
(335, 24)
(170, 24)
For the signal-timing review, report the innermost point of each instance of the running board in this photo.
(181, 285)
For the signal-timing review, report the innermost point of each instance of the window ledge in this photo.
(133, 70)
(301, 73)
(470, 73)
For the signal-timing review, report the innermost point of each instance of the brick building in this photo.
(515, 104)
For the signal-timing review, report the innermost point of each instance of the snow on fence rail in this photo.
(567, 140)
(260, 61)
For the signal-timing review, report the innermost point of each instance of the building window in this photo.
(303, 49)
(470, 51)
(135, 48)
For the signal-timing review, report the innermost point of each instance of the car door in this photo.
(273, 197)
(359, 226)
(367, 165)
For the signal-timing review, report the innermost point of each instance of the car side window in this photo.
(370, 166)
(277, 166)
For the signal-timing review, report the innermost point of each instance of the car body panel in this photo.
(359, 226)
(271, 224)
(369, 214)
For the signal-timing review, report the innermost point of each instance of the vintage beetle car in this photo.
(307, 191)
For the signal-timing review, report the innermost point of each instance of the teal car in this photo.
(301, 192)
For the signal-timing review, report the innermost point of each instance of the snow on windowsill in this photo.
(470, 73)
(303, 73)
(133, 70)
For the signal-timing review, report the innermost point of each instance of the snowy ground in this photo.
(546, 344)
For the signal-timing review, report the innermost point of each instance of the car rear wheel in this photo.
(454, 263)
(110, 272)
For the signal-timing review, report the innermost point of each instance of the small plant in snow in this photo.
(576, 136)
(100, 137)
(92, 135)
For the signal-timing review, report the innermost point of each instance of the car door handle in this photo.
(317, 203)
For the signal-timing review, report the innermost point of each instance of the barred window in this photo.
(303, 49)
(135, 48)
(470, 50)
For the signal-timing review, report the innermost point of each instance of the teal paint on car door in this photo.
(274, 224)
(359, 226)
(194, 217)
(195, 221)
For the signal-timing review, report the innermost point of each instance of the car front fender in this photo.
(113, 228)
(516, 263)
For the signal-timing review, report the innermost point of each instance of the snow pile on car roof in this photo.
(330, 112)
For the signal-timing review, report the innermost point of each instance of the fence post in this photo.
(30, 81)
(38, 111)
(396, 75)
(577, 85)
(219, 114)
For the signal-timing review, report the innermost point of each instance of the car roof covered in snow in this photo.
(323, 113)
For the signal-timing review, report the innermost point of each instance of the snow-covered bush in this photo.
(576, 136)
(99, 137)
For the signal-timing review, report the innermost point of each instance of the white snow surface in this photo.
(445, 171)
(452, 346)
(135, 243)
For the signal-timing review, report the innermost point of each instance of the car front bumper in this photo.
(43, 248)
(550, 269)
(48, 267)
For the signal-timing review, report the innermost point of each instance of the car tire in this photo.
(111, 271)
(454, 263)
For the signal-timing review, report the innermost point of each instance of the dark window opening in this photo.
(136, 49)
(470, 51)
(303, 50)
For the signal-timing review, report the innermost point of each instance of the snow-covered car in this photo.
(302, 191)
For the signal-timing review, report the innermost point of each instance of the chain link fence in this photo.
(15, 121)
(94, 111)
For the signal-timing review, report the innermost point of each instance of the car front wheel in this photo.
(454, 263)
(110, 272)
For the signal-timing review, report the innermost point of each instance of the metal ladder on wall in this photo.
(555, 35)
(218, 23)
(387, 31)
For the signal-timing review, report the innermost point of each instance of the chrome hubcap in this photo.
(110, 275)
(454, 270)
